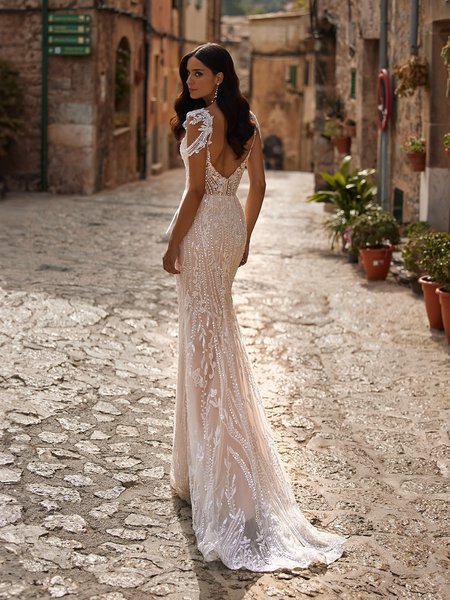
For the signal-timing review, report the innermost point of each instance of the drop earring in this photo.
(215, 95)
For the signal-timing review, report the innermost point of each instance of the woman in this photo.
(224, 462)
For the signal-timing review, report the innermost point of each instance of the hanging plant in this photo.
(11, 106)
(445, 54)
(410, 76)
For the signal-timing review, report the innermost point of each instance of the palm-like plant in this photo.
(350, 192)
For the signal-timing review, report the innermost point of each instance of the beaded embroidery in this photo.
(224, 459)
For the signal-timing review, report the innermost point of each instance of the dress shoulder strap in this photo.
(203, 121)
(256, 132)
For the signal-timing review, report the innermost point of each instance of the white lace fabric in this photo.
(224, 461)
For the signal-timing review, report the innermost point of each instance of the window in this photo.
(398, 204)
(122, 85)
(353, 83)
(292, 76)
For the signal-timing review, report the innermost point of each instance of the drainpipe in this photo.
(414, 27)
(384, 138)
(147, 33)
(181, 27)
(44, 97)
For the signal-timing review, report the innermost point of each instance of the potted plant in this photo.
(446, 140)
(441, 273)
(435, 251)
(410, 75)
(412, 252)
(415, 148)
(11, 107)
(445, 54)
(374, 234)
(350, 193)
(334, 129)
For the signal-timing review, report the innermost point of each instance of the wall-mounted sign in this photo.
(69, 35)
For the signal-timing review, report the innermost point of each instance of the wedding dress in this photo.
(224, 461)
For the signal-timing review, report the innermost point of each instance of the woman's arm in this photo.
(255, 197)
(191, 201)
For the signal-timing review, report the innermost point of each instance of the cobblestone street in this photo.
(354, 383)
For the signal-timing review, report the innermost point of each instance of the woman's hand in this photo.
(169, 259)
(245, 255)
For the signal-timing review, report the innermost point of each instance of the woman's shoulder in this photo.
(199, 115)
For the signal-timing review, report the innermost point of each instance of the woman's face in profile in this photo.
(201, 81)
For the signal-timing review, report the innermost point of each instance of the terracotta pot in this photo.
(350, 130)
(444, 300)
(417, 160)
(342, 143)
(432, 305)
(139, 75)
(447, 152)
(376, 262)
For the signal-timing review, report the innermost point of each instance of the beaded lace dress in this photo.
(224, 460)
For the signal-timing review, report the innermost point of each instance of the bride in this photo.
(224, 461)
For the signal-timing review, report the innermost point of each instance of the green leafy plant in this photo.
(350, 192)
(414, 145)
(446, 141)
(375, 229)
(435, 259)
(410, 75)
(412, 253)
(11, 106)
(416, 228)
(333, 128)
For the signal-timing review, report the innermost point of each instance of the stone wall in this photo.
(86, 149)
(20, 44)
(426, 113)
(281, 57)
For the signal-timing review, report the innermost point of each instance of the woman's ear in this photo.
(219, 78)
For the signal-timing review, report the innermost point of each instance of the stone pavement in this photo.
(355, 385)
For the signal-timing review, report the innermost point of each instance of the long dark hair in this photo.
(229, 98)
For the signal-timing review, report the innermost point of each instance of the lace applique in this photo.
(225, 461)
(193, 118)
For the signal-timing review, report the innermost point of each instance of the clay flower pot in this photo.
(342, 143)
(447, 152)
(444, 301)
(417, 160)
(376, 262)
(432, 305)
(350, 130)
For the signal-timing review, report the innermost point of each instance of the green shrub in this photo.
(435, 259)
(412, 253)
(374, 229)
(416, 228)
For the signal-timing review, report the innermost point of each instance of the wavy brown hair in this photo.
(231, 102)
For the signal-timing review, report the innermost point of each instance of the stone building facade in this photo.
(235, 37)
(282, 87)
(347, 66)
(108, 111)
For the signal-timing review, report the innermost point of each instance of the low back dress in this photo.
(224, 461)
